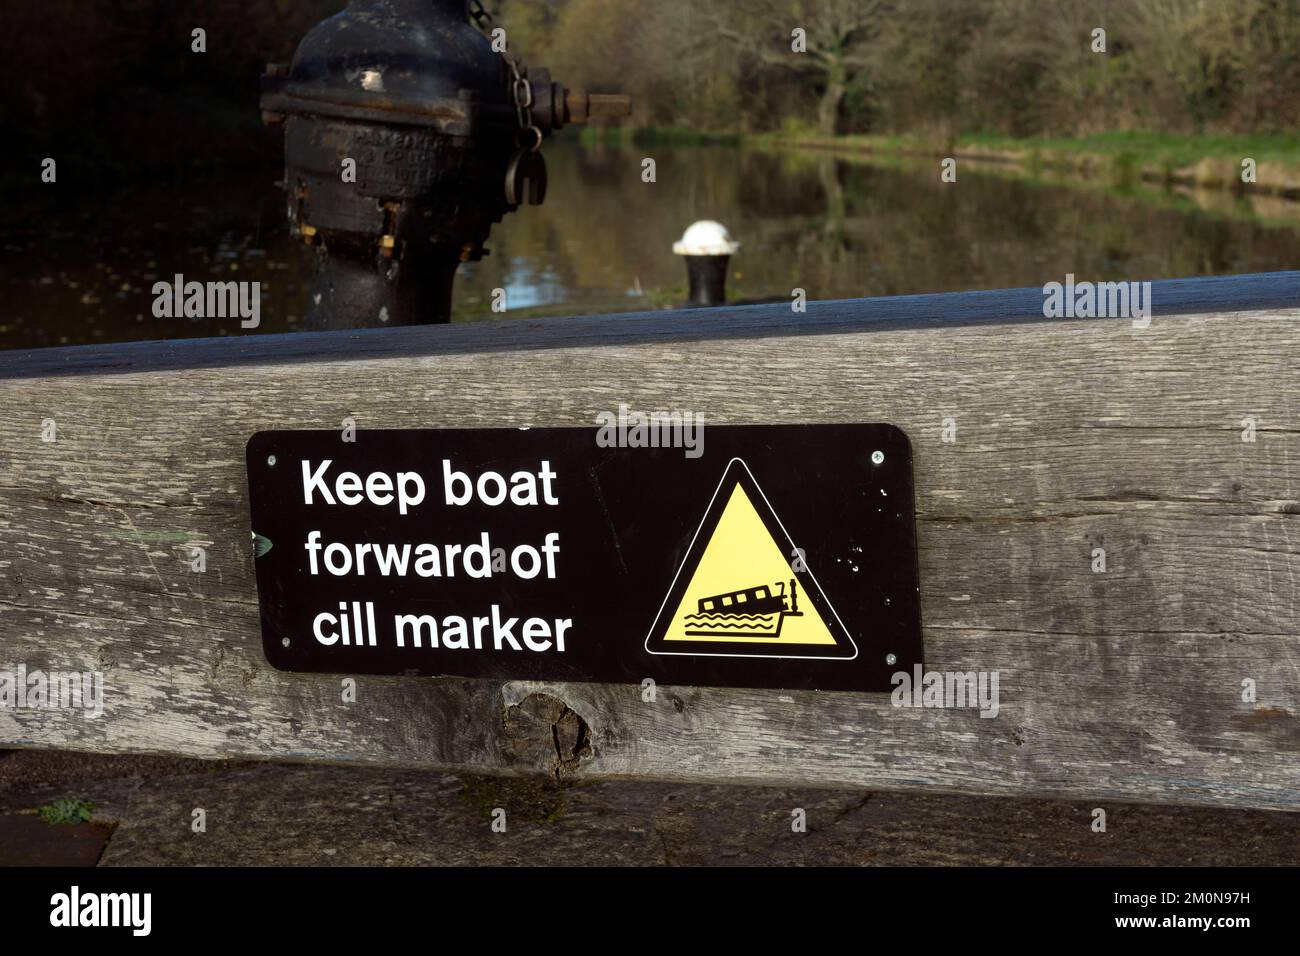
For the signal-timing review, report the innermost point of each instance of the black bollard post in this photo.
(707, 248)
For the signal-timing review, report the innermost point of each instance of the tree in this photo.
(837, 36)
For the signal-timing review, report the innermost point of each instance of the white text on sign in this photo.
(354, 623)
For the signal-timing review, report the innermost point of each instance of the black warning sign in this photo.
(750, 556)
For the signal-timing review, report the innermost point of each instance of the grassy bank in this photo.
(654, 136)
(1207, 161)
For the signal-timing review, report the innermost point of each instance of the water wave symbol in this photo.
(727, 617)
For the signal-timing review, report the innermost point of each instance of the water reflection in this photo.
(836, 226)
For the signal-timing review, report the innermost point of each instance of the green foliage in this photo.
(110, 74)
(1125, 168)
(681, 136)
(940, 68)
(602, 135)
(1161, 149)
(797, 127)
(66, 811)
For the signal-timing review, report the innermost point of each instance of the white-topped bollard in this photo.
(708, 248)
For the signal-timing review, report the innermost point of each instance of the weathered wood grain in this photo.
(1071, 435)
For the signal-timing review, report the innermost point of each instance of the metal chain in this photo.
(521, 89)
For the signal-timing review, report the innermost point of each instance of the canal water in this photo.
(836, 225)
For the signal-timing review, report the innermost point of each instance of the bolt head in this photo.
(877, 457)
(891, 659)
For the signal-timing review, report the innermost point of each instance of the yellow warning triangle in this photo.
(744, 589)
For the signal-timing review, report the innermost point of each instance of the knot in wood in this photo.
(543, 732)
